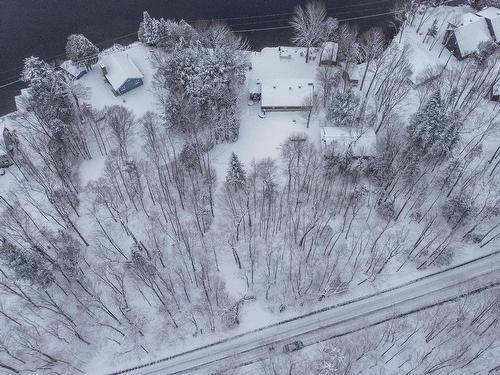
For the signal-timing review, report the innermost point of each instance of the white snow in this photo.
(119, 68)
(493, 14)
(330, 52)
(20, 99)
(284, 93)
(354, 72)
(360, 142)
(472, 31)
(140, 100)
(262, 137)
(73, 69)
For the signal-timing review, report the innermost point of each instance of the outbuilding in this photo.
(73, 70)
(329, 54)
(121, 73)
(361, 143)
(352, 74)
(287, 95)
(463, 40)
(492, 17)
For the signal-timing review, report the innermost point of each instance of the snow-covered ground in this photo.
(140, 100)
(260, 137)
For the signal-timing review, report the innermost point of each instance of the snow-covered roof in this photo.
(330, 51)
(72, 68)
(361, 142)
(472, 31)
(286, 92)
(493, 14)
(120, 68)
(490, 12)
(354, 72)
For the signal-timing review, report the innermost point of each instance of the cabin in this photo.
(287, 95)
(492, 17)
(329, 54)
(121, 73)
(352, 74)
(360, 143)
(463, 40)
(72, 70)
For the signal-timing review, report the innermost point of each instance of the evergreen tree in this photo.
(50, 95)
(81, 51)
(28, 266)
(35, 72)
(236, 175)
(209, 82)
(342, 109)
(149, 30)
(432, 131)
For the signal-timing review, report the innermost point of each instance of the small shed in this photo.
(360, 143)
(329, 54)
(287, 95)
(464, 39)
(121, 73)
(73, 70)
(352, 74)
(492, 16)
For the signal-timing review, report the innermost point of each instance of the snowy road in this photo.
(333, 321)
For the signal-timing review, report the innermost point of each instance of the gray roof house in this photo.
(121, 73)
(463, 40)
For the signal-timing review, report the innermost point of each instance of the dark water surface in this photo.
(40, 27)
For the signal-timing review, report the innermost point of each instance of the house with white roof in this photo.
(73, 70)
(121, 73)
(287, 95)
(463, 40)
(329, 54)
(361, 143)
(492, 16)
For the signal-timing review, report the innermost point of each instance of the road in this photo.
(334, 321)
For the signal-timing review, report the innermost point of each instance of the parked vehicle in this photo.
(293, 346)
